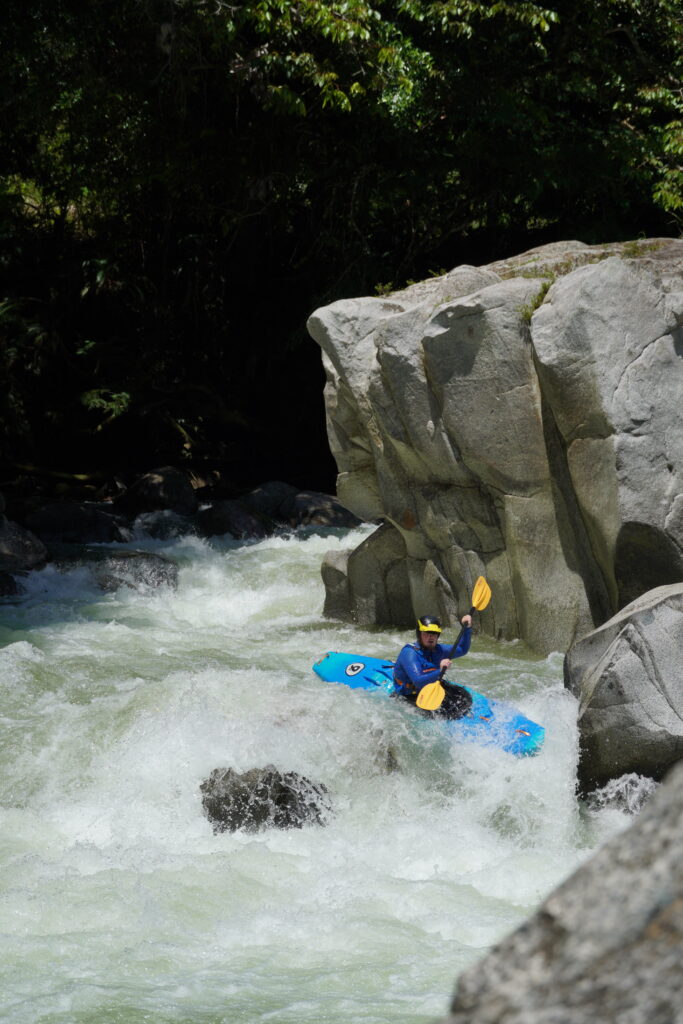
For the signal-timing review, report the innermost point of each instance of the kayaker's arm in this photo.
(463, 644)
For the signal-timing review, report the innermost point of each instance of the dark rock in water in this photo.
(160, 489)
(116, 568)
(71, 522)
(293, 507)
(262, 798)
(335, 574)
(606, 946)
(8, 585)
(135, 569)
(628, 676)
(19, 548)
(232, 517)
(311, 508)
(267, 498)
(164, 524)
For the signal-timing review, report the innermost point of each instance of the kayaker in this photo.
(422, 662)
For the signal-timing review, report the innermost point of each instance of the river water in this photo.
(119, 904)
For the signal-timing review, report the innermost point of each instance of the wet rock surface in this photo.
(112, 568)
(263, 798)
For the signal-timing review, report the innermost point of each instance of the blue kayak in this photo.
(490, 722)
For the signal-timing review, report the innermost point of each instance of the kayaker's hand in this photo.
(445, 663)
(466, 620)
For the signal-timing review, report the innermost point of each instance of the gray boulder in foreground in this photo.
(606, 946)
(262, 798)
(628, 677)
(521, 421)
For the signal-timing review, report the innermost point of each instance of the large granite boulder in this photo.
(628, 677)
(262, 798)
(519, 421)
(607, 945)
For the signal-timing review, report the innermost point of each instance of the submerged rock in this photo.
(262, 798)
(607, 945)
(135, 569)
(164, 524)
(115, 568)
(628, 677)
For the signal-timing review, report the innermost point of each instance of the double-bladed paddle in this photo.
(431, 696)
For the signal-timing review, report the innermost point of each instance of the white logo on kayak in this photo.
(354, 668)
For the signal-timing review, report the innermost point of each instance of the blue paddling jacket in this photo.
(415, 667)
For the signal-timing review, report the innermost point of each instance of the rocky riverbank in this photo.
(161, 504)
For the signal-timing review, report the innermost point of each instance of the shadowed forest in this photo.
(182, 183)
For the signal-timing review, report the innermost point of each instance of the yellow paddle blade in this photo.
(481, 595)
(431, 696)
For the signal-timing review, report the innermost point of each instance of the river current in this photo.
(119, 904)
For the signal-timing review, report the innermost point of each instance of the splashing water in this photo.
(120, 905)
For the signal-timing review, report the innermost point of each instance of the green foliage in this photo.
(527, 311)
(183, 182)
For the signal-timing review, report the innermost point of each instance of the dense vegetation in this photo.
(183, 181)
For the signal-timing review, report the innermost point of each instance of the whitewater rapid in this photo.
(119, 904)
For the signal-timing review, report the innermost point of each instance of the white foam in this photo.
(119, 897)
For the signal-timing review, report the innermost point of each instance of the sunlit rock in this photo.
(262, 798)
(628, 676)
(520, 421)
(370, 585)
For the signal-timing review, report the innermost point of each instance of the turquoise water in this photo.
(119, 904)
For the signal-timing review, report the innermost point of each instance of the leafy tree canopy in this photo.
(184, 181)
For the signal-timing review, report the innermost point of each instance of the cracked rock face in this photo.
(628, 676)
(522, 421)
